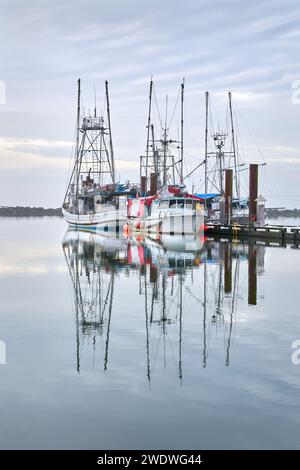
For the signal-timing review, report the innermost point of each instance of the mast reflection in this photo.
(171, 274)
(92, 263)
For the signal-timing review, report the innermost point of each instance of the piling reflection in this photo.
(174, 277)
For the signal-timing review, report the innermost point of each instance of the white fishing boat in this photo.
(171, 211)
(93, 200)
(165, 205)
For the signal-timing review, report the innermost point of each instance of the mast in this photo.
(148, 134)
(234, 148)
(110, 136)
(77, 140)
(181, 138)
(206, 137)
(165, 143)
(221, 170)
(155, 162)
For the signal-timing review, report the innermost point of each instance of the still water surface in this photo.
(146, 343)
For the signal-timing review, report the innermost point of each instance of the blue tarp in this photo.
(206, 196)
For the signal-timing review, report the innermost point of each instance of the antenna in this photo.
(95, 102)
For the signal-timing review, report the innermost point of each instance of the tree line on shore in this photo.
(20, 211)
(26, 211)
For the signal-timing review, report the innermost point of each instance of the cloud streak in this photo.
(249, 49)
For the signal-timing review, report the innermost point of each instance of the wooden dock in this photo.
(281, 235)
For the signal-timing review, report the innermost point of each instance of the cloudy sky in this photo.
(249, 48)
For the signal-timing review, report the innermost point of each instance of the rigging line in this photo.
(188, 157)
(189, 136)
(227, 119)
(176, 103)
(157, 108)
(210, 114)
(156, 346)
(193, 171)
(71, 157)
(251, 136)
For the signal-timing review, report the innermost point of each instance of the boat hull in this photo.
(108, 221)
(177, 224)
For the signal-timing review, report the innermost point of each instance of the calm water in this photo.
(139, 344)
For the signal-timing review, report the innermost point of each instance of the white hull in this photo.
(111, 220)
(171, 224)
(109, 242)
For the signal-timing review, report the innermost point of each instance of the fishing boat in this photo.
(165, 205)
(171, 211)
(94, 200)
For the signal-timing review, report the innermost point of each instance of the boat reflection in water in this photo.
(176, 276)
(92, 261)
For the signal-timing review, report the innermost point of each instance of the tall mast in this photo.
(220, 155)
(165, 143)
(237, 186)
(155, 162)
(77, 139)
(148, 135)
(110, 136)
(181, 138)
(206, 137)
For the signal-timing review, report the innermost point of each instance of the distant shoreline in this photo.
(20, 211)
(278, 213)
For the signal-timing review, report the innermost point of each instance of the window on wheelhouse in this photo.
(189, 204)
(172, 204)
(164, 204)
(180, 203)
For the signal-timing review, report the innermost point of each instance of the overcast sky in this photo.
(249, 48)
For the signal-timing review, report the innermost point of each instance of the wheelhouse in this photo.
(176, 203)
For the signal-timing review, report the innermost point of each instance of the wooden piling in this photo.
(143, 184)
(252, 275)
(228, 196)
(253, 192)
(153, 184)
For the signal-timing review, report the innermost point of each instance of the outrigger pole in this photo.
(112, 159)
